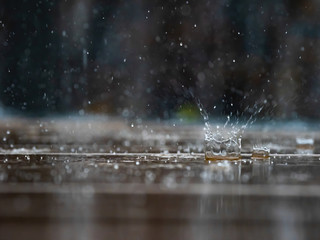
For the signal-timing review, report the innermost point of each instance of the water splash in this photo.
(305, 145)
(260, 152)
(224, 142)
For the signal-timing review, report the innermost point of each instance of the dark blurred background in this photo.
(149, 59)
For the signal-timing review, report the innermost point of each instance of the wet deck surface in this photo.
(93, 179)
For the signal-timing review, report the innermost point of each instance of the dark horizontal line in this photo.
(164, 220)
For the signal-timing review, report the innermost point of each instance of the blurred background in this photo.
(151, 59)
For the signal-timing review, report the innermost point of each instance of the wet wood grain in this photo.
(103, 179)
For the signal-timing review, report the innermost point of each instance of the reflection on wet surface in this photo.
(85, 179)
(156, 168)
